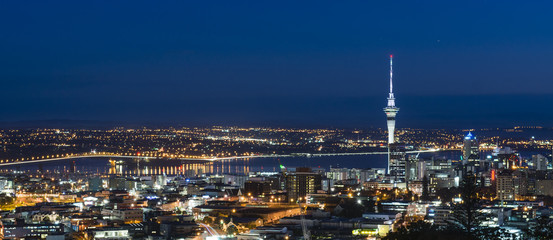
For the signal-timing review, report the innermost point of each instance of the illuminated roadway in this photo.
(211, 159)
(210, 230)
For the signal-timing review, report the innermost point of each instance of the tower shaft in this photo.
(391, 110)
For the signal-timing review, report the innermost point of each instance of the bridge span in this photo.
(210, 159)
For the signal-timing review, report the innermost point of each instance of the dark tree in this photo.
(467, 215)
(446, 194)
(542, 230)
(465, 221)
(232, 230)
(491, 233)
(421, 230)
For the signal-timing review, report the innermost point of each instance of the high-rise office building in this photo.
(257, 188)
(471, 152)
(412, 168)
(360, 175)
(397, 162)
(95, 184)
(539, 162)
(505, 190)
(301, 183)
(512, 184)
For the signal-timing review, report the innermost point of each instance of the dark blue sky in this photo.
(320, 63)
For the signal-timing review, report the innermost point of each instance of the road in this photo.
(210, 230)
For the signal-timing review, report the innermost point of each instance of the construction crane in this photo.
(306, 234)
(305, 231)
(282, 167)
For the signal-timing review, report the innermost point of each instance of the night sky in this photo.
(458, 64)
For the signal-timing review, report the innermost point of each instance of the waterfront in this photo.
(191, 167)
(104, 165)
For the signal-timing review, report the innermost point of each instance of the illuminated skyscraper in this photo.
(397, 161)
(471, 152)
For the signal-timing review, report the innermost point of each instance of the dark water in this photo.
(235, 166)
(172, 167)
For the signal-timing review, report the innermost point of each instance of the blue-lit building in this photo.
(471, 152)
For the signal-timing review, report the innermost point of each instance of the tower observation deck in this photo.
(391, 110)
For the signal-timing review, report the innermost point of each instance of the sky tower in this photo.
(396, 152)
(391, 110)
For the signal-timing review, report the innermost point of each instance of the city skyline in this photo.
(257, 120)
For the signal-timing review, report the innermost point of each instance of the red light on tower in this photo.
(391, 55)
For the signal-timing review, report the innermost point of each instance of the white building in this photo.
(111, 233)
